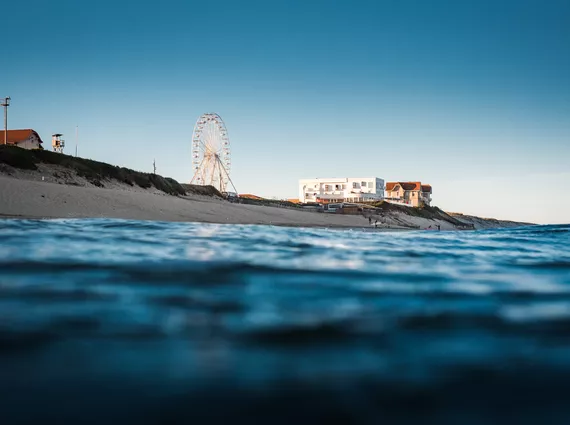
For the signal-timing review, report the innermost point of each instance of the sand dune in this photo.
(41, 199)
(43, 184)
(26, 196)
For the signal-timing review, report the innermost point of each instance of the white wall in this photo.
(30, 143)
(341, 188)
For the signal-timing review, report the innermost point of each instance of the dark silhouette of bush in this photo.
(17, 158)
(142, 181)
(201, 190)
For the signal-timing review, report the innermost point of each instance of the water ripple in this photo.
(164, 306)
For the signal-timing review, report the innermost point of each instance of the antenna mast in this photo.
(5, 104)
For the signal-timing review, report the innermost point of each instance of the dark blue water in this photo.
(108, 321)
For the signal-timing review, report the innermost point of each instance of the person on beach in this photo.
(376, 224)
(369, 220)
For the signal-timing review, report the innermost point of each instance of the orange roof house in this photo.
(411, 193)
(27, 138)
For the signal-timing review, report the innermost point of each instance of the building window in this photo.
(337, 187)
(363, 184)
(355, 185)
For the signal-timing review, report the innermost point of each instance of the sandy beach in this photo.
(40, 199)
(58, 191)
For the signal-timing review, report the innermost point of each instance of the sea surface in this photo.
(116, 321)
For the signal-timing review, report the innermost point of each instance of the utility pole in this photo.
(154, 166)
(5, 104)
(76, 139)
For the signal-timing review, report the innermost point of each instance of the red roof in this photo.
(405, 185)
(17, 136)
(409, 186)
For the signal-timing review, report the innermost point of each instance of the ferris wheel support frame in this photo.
(211, 149)
(229, 178)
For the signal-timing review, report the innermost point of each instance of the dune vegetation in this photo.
(93, 171)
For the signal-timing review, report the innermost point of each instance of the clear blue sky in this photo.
(472, 97)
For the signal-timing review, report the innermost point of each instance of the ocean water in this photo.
(114, 321)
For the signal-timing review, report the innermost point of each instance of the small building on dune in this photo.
(409, 193)
(27, 139)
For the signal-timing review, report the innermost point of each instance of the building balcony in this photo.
(332, 194)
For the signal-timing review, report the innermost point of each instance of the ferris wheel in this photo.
(211, 159)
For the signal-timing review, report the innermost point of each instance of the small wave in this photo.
(46, 295)
(303, 335)
(548, 265)
(188, 302)
(391, 319)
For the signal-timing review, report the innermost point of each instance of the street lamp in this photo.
(5, 104)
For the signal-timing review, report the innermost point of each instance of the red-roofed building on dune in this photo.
(414, 194)
(27, 139)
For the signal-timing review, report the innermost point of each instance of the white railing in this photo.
(335, 194)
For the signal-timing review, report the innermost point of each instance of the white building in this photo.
(27, 139)
(359, 189)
